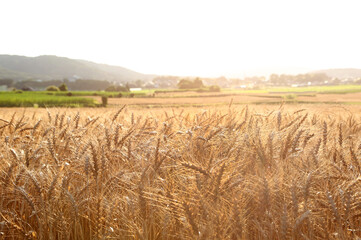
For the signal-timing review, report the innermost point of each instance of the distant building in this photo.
(135, 89)
(246, 86)
(73, 78)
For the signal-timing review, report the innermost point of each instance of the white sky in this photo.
(188, 37)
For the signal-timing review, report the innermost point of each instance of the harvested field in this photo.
(189, 100)
(224, 99)
(334, 98)
(239, 172)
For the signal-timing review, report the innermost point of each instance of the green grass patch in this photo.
(31, 99)
(58, 98)
(95, 93)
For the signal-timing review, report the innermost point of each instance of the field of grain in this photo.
(232, 172)
(181, 101)
(221, 99)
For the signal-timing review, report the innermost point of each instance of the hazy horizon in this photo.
(188, 38)
(246, 73)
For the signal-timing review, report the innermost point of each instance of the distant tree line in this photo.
(77, 85)
(7, 82)
(284, 79)
(166, 81)
(113, 88)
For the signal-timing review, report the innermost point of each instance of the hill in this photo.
(50, 67)
(341, 73)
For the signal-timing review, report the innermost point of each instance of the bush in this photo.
(290, 96)
(52, 88)
(214, 88)
(188, 84)
(131, 95)
(69, 94)
(18, 91)
(119, 95)
(200, 90)
(113, 88)
(63, 87)
(104, 101)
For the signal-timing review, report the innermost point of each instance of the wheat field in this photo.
(245, 172)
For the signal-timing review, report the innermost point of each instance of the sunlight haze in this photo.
(197, 38)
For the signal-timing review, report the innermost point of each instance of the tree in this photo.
(139, 83)
(52, 88)
(184, 84)
(197, 83)
(113, 88)
(188, 84)
(127, 87)
(274, 78)
(63, 87)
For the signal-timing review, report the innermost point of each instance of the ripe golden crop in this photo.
(220, 173)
